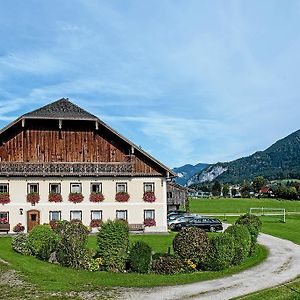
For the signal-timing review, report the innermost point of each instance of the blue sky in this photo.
(189, 81)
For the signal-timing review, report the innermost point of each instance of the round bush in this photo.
(20, 245)
(221, 252)
(140, 257)
(42, 241)
(242, 242)
(191, 243)
(168, 265)
(113, 241)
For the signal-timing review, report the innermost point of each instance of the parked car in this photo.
(179, 219)
(208, 224)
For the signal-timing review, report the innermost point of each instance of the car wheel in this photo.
(212, 229)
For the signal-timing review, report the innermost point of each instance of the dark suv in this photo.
(208, 224)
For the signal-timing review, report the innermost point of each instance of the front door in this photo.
(33, 219)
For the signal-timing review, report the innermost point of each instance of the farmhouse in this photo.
(60, 162)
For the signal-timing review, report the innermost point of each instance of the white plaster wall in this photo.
(135, 206)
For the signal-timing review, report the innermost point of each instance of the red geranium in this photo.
(4, 198)
(96, 223)
(18, 228)
(33, 198)
(122, 197)
(96, 197)
(149, 222)
(54, 197)
(3, 221)
(149, 197)
(75, 197)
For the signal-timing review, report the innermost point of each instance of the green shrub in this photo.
(140, 257)
(242, 242)
(42, 241)
(221, 252)
(191, 243)
(72, 251)
(253, 224)
(113, 241)
(19, 244)
(168, 265)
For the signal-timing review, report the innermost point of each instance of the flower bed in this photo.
(75, 197)
(4, 198)
(149, 197)
(55, 197)
(149, 222)
(122, 197)
(33, 198)
(96, 197)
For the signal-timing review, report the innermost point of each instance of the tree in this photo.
(246, 189)
(258, 183)
(234, 191)
(216, 189)
(225, 190)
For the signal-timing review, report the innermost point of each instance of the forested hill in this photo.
(281, 160)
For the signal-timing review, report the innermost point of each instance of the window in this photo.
(121, 214)
(3, 187)
(96, 187)
(149, 187)
(96, 215)
(149, 214)
(54, 215)
(4, 215)
(76, 215)
(32, 188)
(121, 187)
(75, 188)
(54, 188)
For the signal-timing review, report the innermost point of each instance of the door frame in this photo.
(28, 217)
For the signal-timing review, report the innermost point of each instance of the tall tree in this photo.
(225, 190)
(258, 183)
(216, 188)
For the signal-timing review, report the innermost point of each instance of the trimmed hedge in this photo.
(191, 243)
(19, 244)
(42, 241)
(113, 241)
(221, 252)
(242, 242)
(140, 257)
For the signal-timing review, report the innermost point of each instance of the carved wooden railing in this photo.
(66, 169)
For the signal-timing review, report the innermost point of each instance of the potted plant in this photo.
(95, 223)
(54, 197)
(4, 198)
(4, 225)
(18, 228)
(149, 197)
(149, 222)
(75, 197)
(122, 197)
(33, 198)
(96, 197)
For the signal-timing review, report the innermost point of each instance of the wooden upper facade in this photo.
(62, 139)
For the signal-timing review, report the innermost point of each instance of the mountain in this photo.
(281, 160)
(187, 171)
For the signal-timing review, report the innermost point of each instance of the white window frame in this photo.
(79, 184)
(122, 211)
(96, 211)
(149, 184)
(29, 188)
(99, 184)
(51, 215)
(4, 187)
(54, 183)
(148, 212)
(119, 185)
(75, 211)
(4, 214)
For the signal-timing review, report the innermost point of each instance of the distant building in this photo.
(177, 196)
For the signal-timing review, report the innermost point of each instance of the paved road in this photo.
(282, 265)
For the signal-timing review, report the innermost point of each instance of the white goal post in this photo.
(266, 211)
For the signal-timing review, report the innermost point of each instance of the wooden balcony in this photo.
(66, 169)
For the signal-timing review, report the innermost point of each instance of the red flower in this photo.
(96, 223)
(3, 221)
(149, 222)
(18, 228)
(4, 198)
(75, 197)
(96, 197)
(53, 224)
(149, 197)
(122, 197)
(55, 197)
(33, 197)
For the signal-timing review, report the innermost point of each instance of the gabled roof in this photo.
(60, 109)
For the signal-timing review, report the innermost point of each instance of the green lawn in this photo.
(239, 205)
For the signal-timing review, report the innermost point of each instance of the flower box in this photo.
(75, 197)
(149, 222)
(122, 197)
(55, 197)
(96, 197)
(149, 197)
(4, 198)
(95, 223)
(33, 198)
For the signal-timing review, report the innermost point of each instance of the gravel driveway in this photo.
(282, 265)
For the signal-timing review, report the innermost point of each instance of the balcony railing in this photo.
(66, 169)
